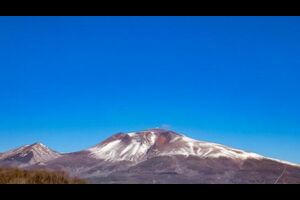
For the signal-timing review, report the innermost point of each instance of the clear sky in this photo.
(70, 82)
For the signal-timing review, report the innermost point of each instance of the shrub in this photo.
(19, 176)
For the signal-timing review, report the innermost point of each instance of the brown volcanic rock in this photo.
(118, 136)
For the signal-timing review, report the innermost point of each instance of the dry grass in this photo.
(18, 176)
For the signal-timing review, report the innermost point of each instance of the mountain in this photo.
(35, 154)
(140, 146)
(161, 156)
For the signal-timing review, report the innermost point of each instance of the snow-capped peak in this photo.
(138, 146)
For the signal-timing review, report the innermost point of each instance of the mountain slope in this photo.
(180, 169)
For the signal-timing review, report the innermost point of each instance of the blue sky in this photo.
(70, 82)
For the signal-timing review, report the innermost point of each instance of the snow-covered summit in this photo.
(138, 146)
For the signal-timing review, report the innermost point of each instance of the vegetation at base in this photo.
(20, 176)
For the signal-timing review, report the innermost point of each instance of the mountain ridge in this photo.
(131, 133)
